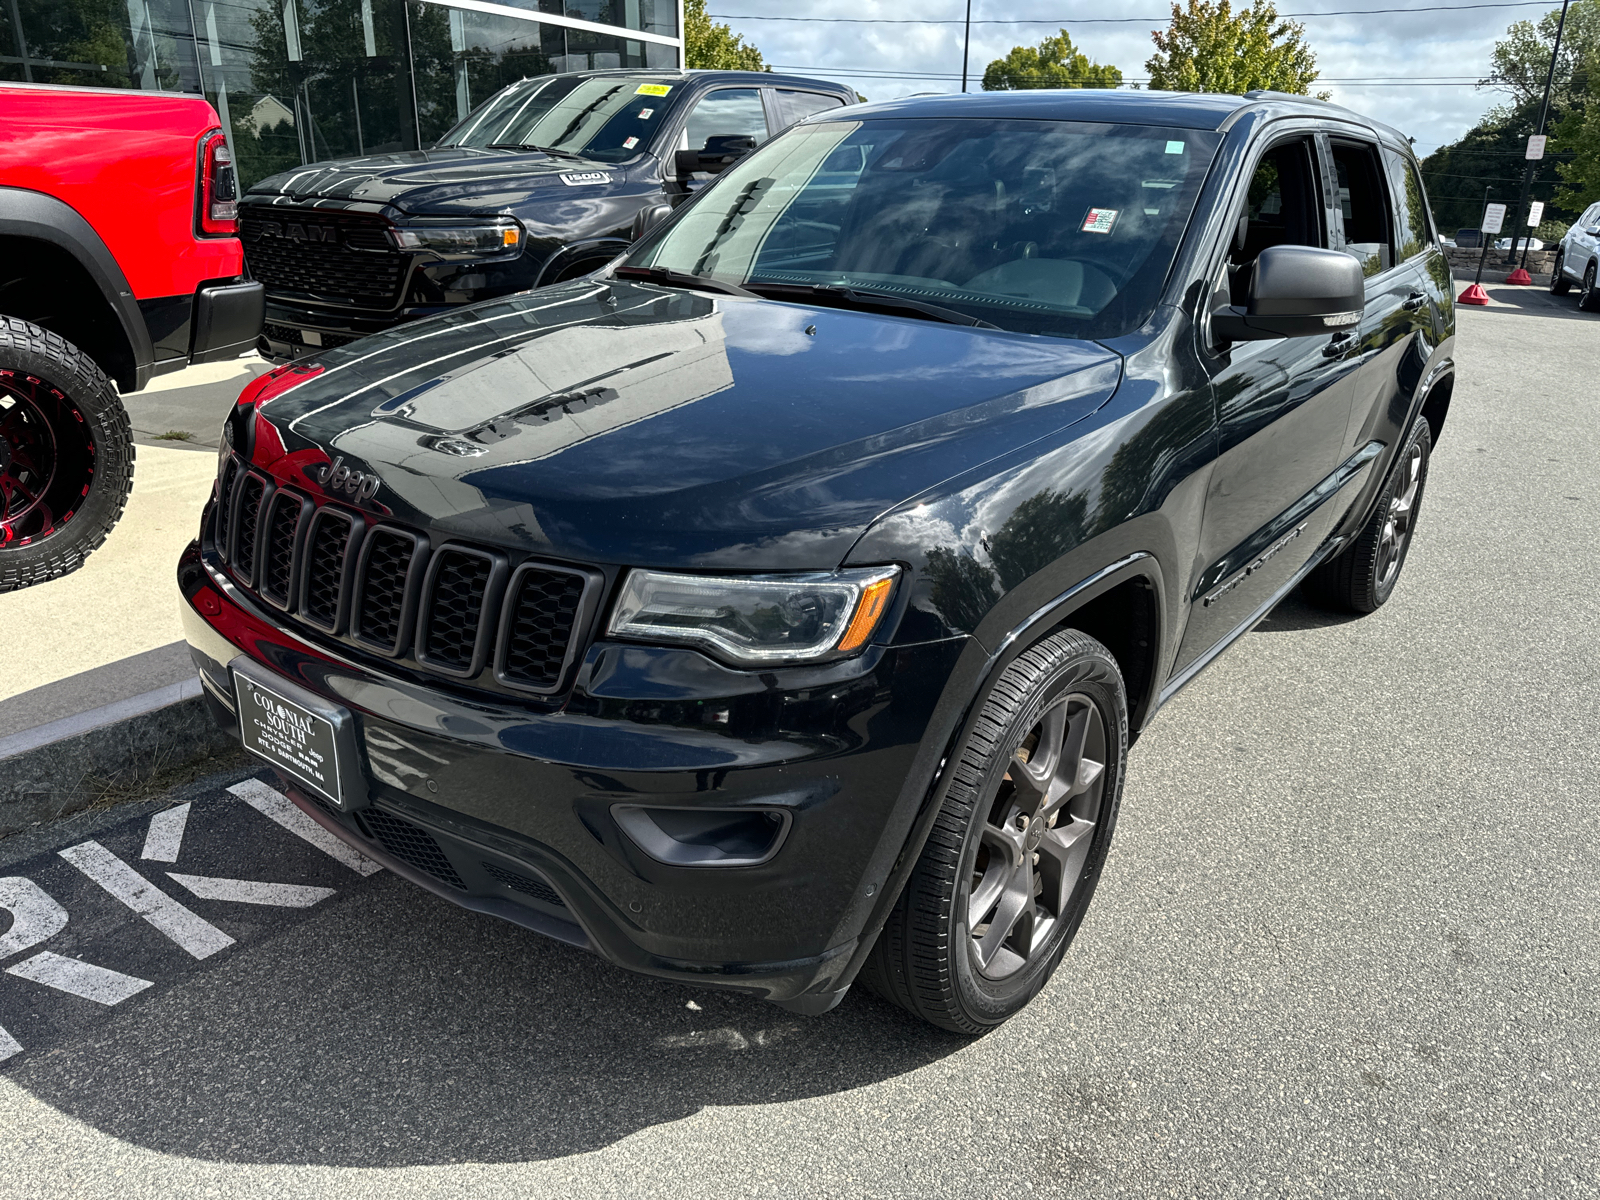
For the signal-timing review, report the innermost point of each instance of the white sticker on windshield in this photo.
(1100, 220)
(629, 143)
(1174, 147)
(646, 113)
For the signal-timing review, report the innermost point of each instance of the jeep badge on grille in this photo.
(337, 477)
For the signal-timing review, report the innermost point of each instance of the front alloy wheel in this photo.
(1589, 297)
(1016, 850)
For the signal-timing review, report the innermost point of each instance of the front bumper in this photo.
(514, 810)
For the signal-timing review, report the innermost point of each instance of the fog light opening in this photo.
(704, 837)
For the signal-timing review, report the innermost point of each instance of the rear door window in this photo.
(797, 106)
(1413, 233)
(1364, 201)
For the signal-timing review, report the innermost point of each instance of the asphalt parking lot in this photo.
(1347, 943)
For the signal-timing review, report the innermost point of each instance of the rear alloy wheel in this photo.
(1560, 285)
(1362, 578)
(66, 455)
(1589, 297)
(1012, 862)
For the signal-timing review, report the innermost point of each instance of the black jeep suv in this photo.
(778, 606)
(542, 182)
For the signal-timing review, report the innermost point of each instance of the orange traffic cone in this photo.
(1520, 275)
(1473, 295)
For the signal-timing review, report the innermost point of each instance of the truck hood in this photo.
(620, 422)
(430, 180)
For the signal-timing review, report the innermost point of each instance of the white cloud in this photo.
(1443, 52)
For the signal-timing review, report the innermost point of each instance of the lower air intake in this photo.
(521, 883)
(411, 844)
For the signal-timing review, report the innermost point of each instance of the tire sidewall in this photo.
(1419, 436)
(106, 422)
(1093, 673)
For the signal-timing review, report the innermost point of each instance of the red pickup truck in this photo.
(119, 260)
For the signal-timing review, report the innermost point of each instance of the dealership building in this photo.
(297, 81)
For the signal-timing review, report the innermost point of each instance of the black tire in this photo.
(1560, 285)
(66, 455)
(1589, 298)
(927, 959)
(1363, 577)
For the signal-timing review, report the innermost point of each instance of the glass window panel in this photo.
(731, 112)
(797, 106)
(602, 118)
(145, 44)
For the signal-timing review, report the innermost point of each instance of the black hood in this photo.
(435, 181)
(620, 422)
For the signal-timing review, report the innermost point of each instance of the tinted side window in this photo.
(732, 112)
(1412, 233)
(797, 106)
(1283, 208)
(1364, 199)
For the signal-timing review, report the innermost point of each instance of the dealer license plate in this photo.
(289, 735)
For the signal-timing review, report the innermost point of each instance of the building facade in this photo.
(299, 81)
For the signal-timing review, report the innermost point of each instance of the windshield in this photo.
(1049, 227)
(604, 118)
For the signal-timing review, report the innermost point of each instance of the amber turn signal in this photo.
(869, 610)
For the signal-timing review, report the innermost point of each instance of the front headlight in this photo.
(501, 238)
(758, 620)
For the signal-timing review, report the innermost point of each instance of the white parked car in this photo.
(1578, 258)
(1533, 243)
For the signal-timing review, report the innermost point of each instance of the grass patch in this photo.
(175, 435)
(104, 793)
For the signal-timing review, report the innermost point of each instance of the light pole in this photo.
(1544, 113)
(966, 43)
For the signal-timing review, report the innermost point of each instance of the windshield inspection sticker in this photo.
(581, 178)
(652, 89)
(1174, 147)
(1100, 220)
(646, 113)
(629, 143)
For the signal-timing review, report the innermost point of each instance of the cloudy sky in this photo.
(1414, 70)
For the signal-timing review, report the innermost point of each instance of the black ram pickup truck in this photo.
(776, 608)
(548, 179)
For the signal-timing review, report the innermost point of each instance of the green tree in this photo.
(1578, 135)
(1521, 59)
(715, 47)
(1211, 48)
(1053, 63)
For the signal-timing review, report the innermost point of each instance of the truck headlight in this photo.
(759, 620)
(500, 238)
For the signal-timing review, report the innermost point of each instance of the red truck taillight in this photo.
(218, 189)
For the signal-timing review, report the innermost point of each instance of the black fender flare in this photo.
(573, 251)
(932, 780)
(28, 214)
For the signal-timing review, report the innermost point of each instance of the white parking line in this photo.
(270, 802)
(190, 930)
(165, 838)
(34, 915)
(100, 984)
(249, 891)
(8, 1045)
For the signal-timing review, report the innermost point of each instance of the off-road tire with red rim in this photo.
(66, 455)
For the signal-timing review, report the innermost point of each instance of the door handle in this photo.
(1339, 346)
(1415, 301)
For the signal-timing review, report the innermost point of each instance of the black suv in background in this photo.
(776, 607)
(548, 179)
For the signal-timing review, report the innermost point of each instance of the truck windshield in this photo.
(607, 119)
(1050, 227)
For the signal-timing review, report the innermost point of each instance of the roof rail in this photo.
(1265, 94)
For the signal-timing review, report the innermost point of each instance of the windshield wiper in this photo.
(843, 296)
(530, 146)
(683, 279)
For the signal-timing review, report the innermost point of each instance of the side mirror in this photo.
(647, 218)
(1296, 291)
(720, 153)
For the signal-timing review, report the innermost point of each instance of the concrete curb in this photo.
(67, 765)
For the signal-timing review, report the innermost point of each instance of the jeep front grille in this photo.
(455, 610)
(345, 257)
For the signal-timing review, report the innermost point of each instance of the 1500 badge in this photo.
(580, 178)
